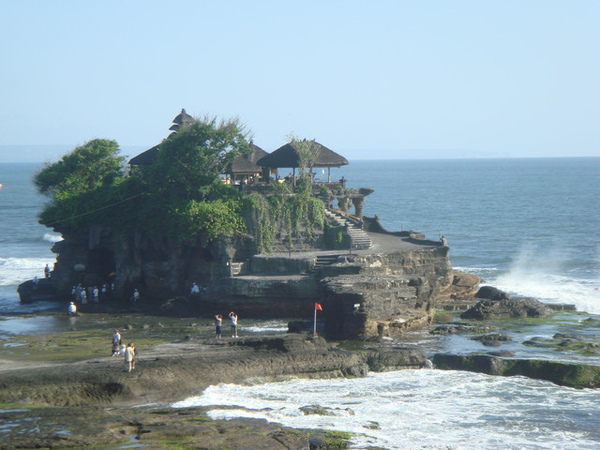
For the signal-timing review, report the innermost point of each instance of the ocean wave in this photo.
(409, 409)
(53, 237)
(551, 288)
(14, 271)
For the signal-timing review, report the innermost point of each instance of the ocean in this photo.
(527, 226)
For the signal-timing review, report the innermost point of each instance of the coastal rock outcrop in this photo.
(564, 374)
(506, 308)
(174, 371)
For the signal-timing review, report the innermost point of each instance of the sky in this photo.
(370, 80)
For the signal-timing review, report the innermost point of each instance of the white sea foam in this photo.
(268, 326)
(422, 409)
(53, 237)
(16, 270)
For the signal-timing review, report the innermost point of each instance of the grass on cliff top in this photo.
(90, 336)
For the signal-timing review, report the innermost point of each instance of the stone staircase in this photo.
(359, 239)
(323, 261)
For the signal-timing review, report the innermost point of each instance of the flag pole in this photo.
(315, 323)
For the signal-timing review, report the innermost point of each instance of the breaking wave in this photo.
(421, 409)
(551, 275)
(14, 271)
(53, 237)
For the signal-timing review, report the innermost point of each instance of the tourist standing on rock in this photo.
(195, 289)
(136, 295)
(72, 309)
(234, 322)
(47, 271)
(116, 342)
(129, 357)
(218, 323)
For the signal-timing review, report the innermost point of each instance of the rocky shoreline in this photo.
(63, 397)
(62, 390)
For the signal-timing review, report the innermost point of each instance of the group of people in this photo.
(83, 295)
(120, 349)
(233, 319)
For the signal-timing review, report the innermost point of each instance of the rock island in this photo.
(203, 223)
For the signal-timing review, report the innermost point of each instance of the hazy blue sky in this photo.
(377, 79)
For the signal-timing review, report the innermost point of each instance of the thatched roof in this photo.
(246, 164)
(288, 156)
(183, 118)
(146, 158)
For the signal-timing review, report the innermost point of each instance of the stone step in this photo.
(358, 238)
(326, 260)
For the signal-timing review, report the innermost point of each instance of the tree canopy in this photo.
(190, 161)
(180, 195)
(88, 167)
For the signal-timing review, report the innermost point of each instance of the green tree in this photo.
(86, 168)
(189, 163)
(308, 151)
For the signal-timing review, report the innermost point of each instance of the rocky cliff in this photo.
(390, 287)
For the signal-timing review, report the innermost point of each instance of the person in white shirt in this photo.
(234, 322)
(72, 309)
(116, 343)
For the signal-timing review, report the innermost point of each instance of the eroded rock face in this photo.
(384, 294)
(159, 267)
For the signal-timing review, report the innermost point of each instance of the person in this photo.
(116, 343)
(47, 271)
(134, 355)
(195, 289)
(83, 296)
(130, 357)
(234, 321)
(136, 296)
(72, 309)
(218, 323)
(96, 294)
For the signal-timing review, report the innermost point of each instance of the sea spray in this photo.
(551, 276)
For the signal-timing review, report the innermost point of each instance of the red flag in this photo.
(318, 307)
